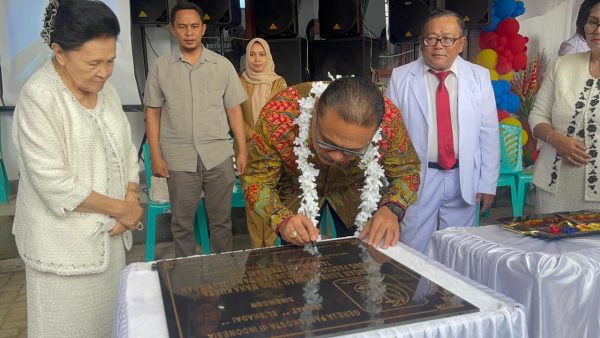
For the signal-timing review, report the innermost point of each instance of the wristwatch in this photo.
(396, 209)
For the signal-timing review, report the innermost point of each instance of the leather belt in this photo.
(437, 166)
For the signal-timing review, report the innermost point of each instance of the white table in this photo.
(140, 311)
(557, 281)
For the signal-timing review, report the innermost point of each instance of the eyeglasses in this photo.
(445, 41)
(347, 152)
(332, 147)
(591, 27)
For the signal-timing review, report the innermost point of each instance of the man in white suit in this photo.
(449, 110)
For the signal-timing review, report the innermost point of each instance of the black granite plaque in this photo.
(288, 292)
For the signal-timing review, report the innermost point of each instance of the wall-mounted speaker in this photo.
(289, 56)
(219, 12)
(344, 56)
(406, 20)
(474, 12)
(341, 18)
(275, 18)
(149, 12)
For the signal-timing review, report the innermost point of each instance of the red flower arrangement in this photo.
(526, 84)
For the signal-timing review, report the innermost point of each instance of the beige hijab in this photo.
(261, 82)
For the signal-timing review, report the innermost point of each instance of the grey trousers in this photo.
(185, 192)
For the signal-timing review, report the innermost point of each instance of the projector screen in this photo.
(22, 51)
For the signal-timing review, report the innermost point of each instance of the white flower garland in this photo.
(369, 162)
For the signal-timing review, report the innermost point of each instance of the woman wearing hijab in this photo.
(260, 82)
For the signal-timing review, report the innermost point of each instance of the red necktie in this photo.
(446, 156)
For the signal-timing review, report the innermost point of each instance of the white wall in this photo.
(22, 52)
(548, 23)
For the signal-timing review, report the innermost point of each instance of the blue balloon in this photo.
(500, 103)
(519, 9)
(500, 87)
(512, 102)
(497, 88)
(504, 8)
(494, 22)
(505, 85)
(505, 99)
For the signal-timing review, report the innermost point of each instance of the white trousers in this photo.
(439, 206)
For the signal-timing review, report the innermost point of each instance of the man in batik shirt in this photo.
(344, 120)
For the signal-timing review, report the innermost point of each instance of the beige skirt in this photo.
(74, 306)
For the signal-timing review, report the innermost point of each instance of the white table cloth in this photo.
(140, 311)
(556, 280)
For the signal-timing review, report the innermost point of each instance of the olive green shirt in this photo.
(193, 101)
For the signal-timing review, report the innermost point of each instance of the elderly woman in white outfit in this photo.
(77, 199)
(566, 117)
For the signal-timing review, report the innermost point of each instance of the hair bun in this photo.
(49, 18)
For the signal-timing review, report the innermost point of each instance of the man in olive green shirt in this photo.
(189, 97)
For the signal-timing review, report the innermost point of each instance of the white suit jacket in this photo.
(478, 139)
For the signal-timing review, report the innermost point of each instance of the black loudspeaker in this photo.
(219, 12)
(345, 56)
(474, 12)
(289, 56)
(340, 18)
(275, 18)
(406, 20)
(149, 12)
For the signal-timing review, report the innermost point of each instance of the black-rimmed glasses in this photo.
(445, 41)
(591, 27)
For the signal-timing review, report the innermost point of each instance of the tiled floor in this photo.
(13, 307)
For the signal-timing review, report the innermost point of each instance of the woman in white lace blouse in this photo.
(77, 199)
(566, 117)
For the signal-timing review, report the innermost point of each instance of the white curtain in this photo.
(548, 23)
